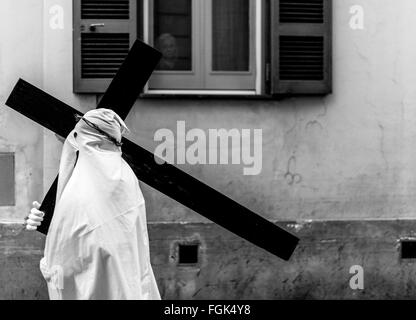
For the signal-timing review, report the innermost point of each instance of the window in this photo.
(206, 44)
(209, 46)
(7, 180)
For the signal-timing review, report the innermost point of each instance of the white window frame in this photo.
(258, 60)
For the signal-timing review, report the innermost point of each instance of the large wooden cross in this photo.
(120, 97)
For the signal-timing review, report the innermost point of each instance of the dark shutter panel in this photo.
(301, 44)
(104, 31)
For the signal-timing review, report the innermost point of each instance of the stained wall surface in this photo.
(346, 158)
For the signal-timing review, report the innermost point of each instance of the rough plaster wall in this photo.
(21, 56)
(232, 268)
(20, 252)
(58, 78)
(353, 149)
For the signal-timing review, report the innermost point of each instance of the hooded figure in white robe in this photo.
(97, 245)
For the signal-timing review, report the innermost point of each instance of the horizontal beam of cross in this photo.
(187, 190)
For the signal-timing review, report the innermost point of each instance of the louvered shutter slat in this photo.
(301, 47)
(115, 9)
(103, 54)
(301, 11)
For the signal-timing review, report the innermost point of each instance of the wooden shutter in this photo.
(104, 31)
(301, 45)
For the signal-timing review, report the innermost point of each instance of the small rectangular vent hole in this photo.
(188, 253)
(408, 249)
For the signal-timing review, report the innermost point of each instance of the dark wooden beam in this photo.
(187, 190)
(130, 79)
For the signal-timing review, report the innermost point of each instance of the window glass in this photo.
(230, 35)
(173, 33)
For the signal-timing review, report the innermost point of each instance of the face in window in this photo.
(166, 43)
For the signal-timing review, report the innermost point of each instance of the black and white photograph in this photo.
(207, 150)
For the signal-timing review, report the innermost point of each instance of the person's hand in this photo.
(35, 217)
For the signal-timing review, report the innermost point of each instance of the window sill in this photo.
(200, 94)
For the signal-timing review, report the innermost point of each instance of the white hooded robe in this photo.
(97, 245)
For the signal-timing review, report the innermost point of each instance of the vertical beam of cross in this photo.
(120, 97)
